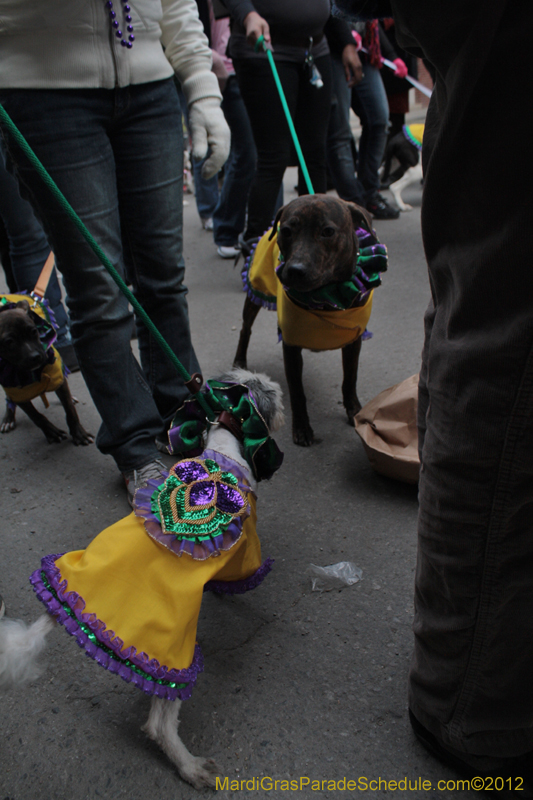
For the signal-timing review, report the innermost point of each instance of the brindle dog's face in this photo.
(318, 242)
(20, 344)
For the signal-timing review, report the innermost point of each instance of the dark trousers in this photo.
(117, 156)
(471, 678)
(309, 109)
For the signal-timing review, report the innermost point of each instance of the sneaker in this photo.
(139, 477)
(162, 445)
(2, 607)
(207, 223)
(228, 252)
(380, 208)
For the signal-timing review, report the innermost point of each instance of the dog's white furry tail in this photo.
(20, 647)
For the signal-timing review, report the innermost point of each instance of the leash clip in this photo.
(194, 384)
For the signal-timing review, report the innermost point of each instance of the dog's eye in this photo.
(328, 231)
(285, 231)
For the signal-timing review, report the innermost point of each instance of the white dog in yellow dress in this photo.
(132, 598)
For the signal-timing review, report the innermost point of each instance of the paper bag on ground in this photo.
(387, 427)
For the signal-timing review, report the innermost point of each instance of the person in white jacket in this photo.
(90, 83)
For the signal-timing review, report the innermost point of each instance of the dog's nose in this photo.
(295, 273)
(35, 360)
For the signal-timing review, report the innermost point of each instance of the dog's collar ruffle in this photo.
(414, 134)
(175, 516)
(371, 262)
(190, 423)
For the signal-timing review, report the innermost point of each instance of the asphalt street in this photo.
(297, 684)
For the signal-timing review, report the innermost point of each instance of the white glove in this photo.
(209, 128)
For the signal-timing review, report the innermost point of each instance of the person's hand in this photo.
(401, 69)
(219, 68)
(255, 27)
(352, 65)
(357, 39)
(209, 129)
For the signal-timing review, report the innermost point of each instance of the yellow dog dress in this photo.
(132, 597)
(328, 318)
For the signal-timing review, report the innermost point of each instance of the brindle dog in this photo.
(318, 242)
(21, 346)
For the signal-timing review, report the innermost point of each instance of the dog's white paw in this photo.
(200, 772)
(406, 207)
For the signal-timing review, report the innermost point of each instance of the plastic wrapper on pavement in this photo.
(334, 576)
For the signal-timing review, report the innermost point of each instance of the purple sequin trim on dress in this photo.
(256, 297)
(240, 587)
(151, 667)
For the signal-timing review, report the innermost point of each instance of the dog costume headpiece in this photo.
(237, 408)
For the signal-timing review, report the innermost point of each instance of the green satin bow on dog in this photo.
(190, 423)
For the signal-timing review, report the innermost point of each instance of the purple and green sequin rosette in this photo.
(198, 510)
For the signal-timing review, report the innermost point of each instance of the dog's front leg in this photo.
(249, 313)
(302, 432)
(53, 434)
(350, 365)
(162, 727)
(9, 422)
(78, 433)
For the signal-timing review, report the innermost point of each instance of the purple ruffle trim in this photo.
(151, 667)
(256, 297)
(199, 551)
(240, 587)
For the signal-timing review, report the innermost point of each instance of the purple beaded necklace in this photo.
(116, 26)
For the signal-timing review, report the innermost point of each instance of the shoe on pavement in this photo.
(381, 209)
(231, 251)
(207, 223)
(136, 478)
(162, 445)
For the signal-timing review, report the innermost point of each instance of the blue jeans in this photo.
(369, 102)
(205, 191)
(28, 247)
(230, 213)
(339, 142)
(117, 155)
(228, 208)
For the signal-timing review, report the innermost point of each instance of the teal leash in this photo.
(194, 382)
(303, 166)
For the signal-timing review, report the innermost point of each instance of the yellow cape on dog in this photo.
(313, 329)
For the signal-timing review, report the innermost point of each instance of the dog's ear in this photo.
(275, 225)
(267, 394)
(24, 305)
(361, 218)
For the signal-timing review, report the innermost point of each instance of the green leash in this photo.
(193, 382)
(303, 166)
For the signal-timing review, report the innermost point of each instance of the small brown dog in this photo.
(319, 249)
(29, 367)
